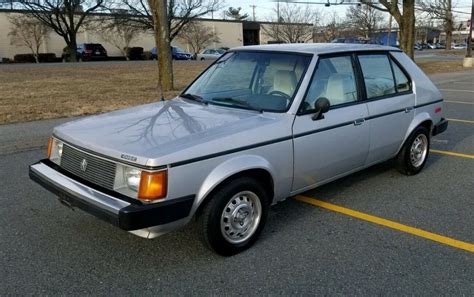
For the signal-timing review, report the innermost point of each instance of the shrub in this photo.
(134, 53)
(147, 55)
(30, 58)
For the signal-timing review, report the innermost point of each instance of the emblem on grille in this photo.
(84, 165)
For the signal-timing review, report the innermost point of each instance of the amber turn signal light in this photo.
(50, 147)
(152, 185)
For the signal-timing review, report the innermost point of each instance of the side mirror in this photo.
(321, 106)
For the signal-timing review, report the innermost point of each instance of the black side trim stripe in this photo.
(429, 103)
(384, 114)
(244, 148)
(323, 129)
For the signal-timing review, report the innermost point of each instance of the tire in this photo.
(235, 216)
(414, 153)
(202, 59)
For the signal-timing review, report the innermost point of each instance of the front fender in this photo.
(229, 168)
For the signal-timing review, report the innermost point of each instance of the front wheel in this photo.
(414, 153)
(235, 216)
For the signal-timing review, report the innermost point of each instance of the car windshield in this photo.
(264, 81)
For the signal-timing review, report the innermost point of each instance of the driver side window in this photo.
(334, 79)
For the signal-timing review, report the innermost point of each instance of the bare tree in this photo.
(234, 13)
(161, 29)
(403, 11)
(65, 17)
(198, 36)
(179, 13)
(295, 24)
(332, 29)
(364, 19)
(441, 10)
(29, 32)
(115, 32)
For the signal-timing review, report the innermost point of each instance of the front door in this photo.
(338, 143)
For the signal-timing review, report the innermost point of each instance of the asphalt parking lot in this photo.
(376, 232)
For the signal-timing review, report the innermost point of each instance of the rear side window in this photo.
(378, 75)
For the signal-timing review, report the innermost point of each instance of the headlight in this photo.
(144, 185)
(132, 178)
(55, 150)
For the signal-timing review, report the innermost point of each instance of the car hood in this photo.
(172, 131)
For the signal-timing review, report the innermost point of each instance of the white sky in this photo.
(264, 8)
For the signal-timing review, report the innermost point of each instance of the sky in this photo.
(264, 8)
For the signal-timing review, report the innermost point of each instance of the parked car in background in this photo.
(176, 54)
(87, 52)
(459, 46)
(210, 54)
(431, 45)
(179, 54)
(153, 53)
(266, 123)
(418, 47)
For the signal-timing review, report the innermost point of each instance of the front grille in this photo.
(98, 171)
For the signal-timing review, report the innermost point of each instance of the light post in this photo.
(468, 60)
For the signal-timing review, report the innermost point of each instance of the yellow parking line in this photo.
(452, 154)
(459, 102)
(461, 121)
(390, 224)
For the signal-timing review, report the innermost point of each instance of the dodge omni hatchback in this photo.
(261, 124)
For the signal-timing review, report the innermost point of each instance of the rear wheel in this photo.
(414, 153)
(235, 216)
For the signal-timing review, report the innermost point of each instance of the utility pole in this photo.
(468, 60)
(469, 37)
(253, 11)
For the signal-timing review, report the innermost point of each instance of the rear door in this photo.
(390, 100)
(339, 142)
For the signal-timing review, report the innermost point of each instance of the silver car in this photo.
(261, 124)
(210, 54)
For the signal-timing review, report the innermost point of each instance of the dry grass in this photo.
(433, 66)
(34, 93)
(30, 93)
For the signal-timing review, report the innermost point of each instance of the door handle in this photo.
(408, 109)
(359, 122)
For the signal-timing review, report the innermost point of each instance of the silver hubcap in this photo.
(418, 150)
(241, 217)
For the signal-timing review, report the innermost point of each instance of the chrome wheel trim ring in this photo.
(241, 217)
(419, 150)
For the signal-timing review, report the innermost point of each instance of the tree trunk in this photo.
(163, 44)
(72, 48)
(449, 25)
(407, 28)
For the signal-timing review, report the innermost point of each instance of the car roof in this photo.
(317, 48)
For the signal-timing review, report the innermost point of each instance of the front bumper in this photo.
(440, 127)
(105, 204)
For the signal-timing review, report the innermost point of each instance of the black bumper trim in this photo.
(440, 127)
(132, 217)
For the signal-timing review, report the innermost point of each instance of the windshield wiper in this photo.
(240, 103)
(193, 97)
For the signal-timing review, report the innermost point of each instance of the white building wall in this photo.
(230, 34)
